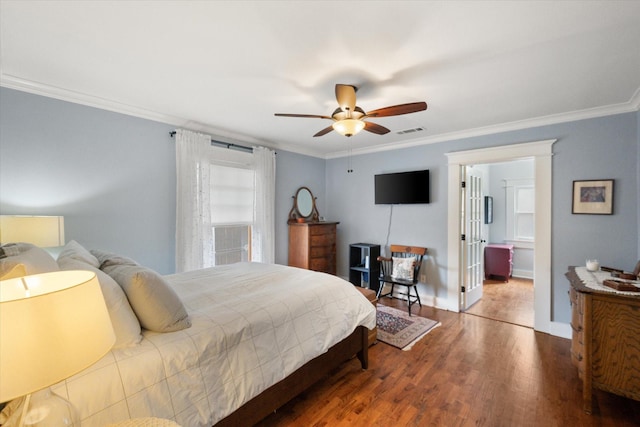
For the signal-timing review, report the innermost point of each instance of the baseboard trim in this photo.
(523, 274)
(562, 330)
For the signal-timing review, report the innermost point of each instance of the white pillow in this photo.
(124, 321)
(403, 268)
(75, 250)
(153, 300)
(35, 260)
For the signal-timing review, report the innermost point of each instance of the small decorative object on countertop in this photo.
(593, 265)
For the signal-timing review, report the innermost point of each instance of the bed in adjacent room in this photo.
(219, 345)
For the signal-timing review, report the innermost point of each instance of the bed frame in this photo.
(280, 393)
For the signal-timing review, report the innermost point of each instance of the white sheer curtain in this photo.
(194, 232)
(263, 230)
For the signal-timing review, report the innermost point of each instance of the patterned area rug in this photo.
(396, 328)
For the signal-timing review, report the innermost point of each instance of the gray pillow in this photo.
(153, 300)
(109, 258)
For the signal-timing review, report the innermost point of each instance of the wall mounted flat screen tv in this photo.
(402, 188)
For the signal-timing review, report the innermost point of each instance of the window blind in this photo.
(232, 190)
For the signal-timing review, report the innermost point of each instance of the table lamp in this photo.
(43, 231)
(52, 326)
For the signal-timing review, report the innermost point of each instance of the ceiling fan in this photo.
(349, 119)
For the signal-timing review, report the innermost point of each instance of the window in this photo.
(232, 196)
(225, 203)
(520, 210)
(231, 243)
(524, 212)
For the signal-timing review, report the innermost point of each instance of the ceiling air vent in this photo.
(402, 132)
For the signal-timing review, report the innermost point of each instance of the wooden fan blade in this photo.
(309, 116)
(397, 110)
(324, 131)
(346, 97)
(375, 128)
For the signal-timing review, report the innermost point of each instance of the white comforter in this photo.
(253, 324)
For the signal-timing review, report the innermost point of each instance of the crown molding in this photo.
(37, 88)
(626, 107)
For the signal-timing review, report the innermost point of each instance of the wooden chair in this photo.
(407, 260)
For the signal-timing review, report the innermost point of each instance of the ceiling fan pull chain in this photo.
(349, 160)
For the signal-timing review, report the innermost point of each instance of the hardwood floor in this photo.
(471, 371)
(510, 302)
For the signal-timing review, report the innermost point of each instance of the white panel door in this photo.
(471, 236)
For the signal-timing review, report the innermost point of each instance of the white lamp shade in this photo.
(348, 127)
(43, 231)
(52, 330)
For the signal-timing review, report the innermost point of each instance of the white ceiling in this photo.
(227, 67)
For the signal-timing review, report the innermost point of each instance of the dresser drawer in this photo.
(317, 230)
(322, 264)
(313, 246)
(322, 251)
(577, 358)
(323, 240)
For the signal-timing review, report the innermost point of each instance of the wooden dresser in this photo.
(312, 245)
(605, 346)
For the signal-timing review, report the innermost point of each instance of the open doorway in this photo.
(541, 152)
(510, 302)
(508, 227)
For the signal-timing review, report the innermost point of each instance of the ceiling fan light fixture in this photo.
(348, 127)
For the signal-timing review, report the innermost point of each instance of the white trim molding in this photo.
(38, 88)
(541, 152)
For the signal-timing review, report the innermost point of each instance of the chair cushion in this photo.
(403, 268)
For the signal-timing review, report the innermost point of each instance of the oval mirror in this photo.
(304, 202)
(304, 207)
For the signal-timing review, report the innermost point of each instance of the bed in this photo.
(238, 340)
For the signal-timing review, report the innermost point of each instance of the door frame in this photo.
(541, 152)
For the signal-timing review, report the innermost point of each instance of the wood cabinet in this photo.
(605, 345)
(498, 261)
(312, 245)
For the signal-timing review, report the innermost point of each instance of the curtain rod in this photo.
(229, 145)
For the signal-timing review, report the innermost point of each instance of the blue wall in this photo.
(113, 178)
(601, 148)
(292, 172)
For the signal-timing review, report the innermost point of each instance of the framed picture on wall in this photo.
(488, 210)
(593, 197)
